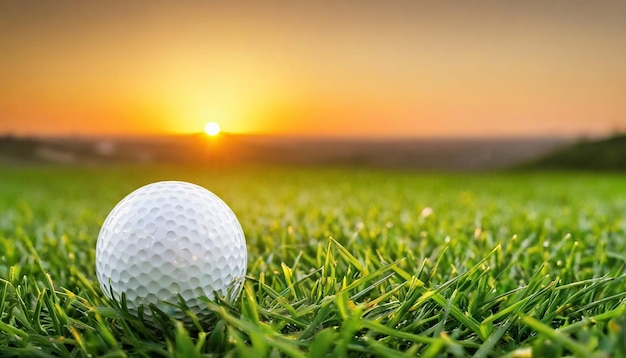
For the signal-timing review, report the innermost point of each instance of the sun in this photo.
(212, 129)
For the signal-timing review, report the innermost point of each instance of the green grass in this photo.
(341, 262)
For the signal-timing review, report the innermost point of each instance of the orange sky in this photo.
(361, 68)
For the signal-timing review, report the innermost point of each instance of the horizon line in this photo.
(122, 136)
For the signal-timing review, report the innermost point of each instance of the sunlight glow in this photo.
(212, 128)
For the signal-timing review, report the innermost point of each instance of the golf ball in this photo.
(168, 239)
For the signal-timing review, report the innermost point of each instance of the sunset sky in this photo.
(325, 68)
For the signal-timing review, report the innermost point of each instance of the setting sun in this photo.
(212, 128)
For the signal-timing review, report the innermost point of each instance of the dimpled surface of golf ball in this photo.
(167, 239)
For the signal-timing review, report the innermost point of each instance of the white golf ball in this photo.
(167, 239)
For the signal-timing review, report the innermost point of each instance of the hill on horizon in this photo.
(608, 154)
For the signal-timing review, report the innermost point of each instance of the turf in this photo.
(342, 262)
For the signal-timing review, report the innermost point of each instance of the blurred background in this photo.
(444, 85)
